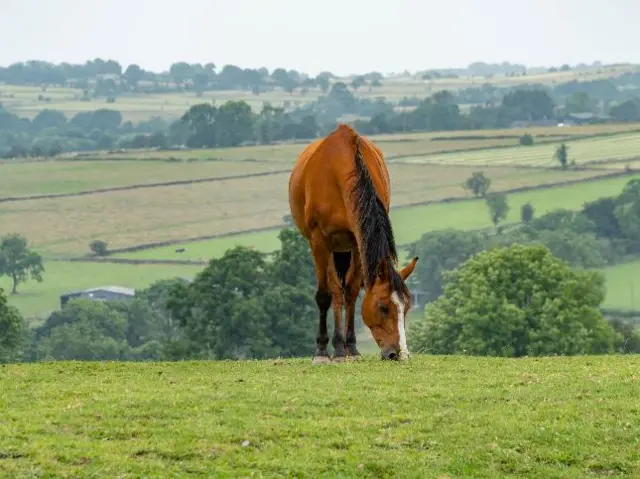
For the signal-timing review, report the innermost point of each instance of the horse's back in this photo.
(322, 178)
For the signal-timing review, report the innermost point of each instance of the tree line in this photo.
(526, 289)
(233, 123)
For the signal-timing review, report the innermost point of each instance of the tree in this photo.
(477, 183)
(17, 261)
(99, 247)
(562, 156)
(441, 251)
(526, 140)
(526, 212)
(516, 301)
(498, 207)
(11, 330)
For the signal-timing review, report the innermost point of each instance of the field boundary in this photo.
(454, 199)
(137, 186)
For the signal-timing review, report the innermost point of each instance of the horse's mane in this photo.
(373, 224)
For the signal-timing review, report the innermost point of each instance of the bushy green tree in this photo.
(11, 331)
(516, 301)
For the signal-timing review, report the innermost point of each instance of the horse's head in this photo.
(384, 307)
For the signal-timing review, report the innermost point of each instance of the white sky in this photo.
(343, 36)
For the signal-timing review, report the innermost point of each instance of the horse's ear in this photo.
(383, 272)
(408, 269)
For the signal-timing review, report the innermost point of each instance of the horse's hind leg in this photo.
(352, 290)
(321, 256)
(337, 276)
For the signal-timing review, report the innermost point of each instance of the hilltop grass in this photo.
(139, 216)
(569, 417)
(583, 151)
(36, 300)
(411, 223)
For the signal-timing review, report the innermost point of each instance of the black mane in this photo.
(374, 225)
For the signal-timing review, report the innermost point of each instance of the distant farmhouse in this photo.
(100, 293)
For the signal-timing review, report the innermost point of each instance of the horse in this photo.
(339, 197)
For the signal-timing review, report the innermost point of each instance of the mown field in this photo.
(462, 417)
(583, 152)
(146, 215)
(135, 107)
(411, 222)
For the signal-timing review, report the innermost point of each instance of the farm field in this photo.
(623, 286)
(61, 177)
(463, 417)
(583, 151)
(396, 145)
(127, 218)
(24, 100)
(411, 222)
(39, 299)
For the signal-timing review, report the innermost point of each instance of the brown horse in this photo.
(339, 197)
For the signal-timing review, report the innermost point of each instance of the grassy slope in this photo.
(432, 417)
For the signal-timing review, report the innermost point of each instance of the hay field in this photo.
(66, 225)
(411, 222)
(623, 286)
(457, 417)
(583, 151)
(62, 176)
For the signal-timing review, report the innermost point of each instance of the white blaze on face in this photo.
(404, 351)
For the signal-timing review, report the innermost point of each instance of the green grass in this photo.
(584, 151)
(459, 417)
(411, 223)
(623, 286)
(39, 299)
(60, 176)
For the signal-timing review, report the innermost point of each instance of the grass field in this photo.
(39, 299)
(410, 223)
(583, 151)
(130, 217)
(623, 286)
(462, 417)
(60, 177)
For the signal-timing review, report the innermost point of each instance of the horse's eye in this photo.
(383, 309)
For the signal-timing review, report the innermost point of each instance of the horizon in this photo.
(346, 39)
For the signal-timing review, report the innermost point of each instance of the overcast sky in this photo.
(343, 36)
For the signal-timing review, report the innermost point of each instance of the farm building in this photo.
(100, 293)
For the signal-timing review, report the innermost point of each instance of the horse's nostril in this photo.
(393, 356)
(390, 354)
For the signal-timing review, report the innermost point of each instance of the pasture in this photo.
(623, 286)
(28, 101)
(36, 300)
(127, 218)
(583, 152)
(410, 223)
(455, 416)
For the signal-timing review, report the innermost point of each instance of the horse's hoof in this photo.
(357, 357)
(338, 359)
(321, 360)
